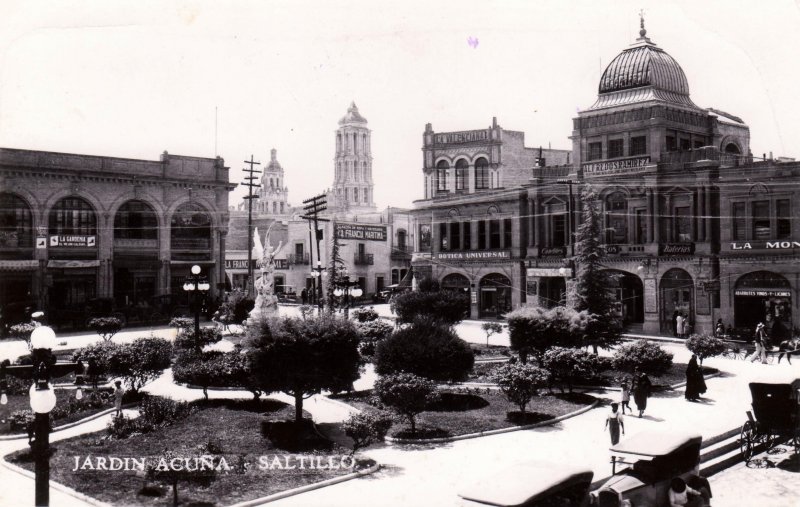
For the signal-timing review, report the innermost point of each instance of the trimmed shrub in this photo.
(187, 340)
(407, 394)
(371, 333)
(23, 331)
(491, 328)
(428, 285)
(533, 330)
(704, 345)
(22, 420)
(647, 357)
(97, 358)
(446, 306)
(520, 382)
(182, 323)
(365, 428)
(141, 361)
(364, 314)
(426, 348)
(159, 412)
(106, 327)
(566, 365)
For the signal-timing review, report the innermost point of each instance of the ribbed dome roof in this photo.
(352, 116)
(644, 65)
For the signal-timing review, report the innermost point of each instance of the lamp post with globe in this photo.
(346, 287)
(196, 284)
(43, 400)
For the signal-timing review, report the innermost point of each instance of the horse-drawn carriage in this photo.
(775, 416)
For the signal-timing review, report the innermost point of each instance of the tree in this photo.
(96, 357)
(491, 328)
(302, 357)
(171, 468)
(703, 346)
(644, 356)
(336, 272)
(590, 291)
(106, 327)
(533, 329)
(372, 332)
(446, 306)
(426, 348)
(407, 394)
(23, 331)
(520, 382)
(365, 428)
(565, 365)
(140, 361)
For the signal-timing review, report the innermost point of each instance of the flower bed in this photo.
(15, 415)
(228, 428)
(464, 411)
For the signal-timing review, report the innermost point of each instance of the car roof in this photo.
(777, 377)
(524, 483)
(653, 443)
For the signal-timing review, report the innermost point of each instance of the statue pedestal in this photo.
(266, 306)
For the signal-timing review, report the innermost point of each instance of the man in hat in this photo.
(760, 341)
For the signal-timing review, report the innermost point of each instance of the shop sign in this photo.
(553, 251)
(41, 242)
(531, 287)
(360, 231)
(769, 293)
(765, 245)
(624, 166)
(547, 272)
(710, 285)
(675, 248)
(612, 249)
(461, 137)
(470, 256)
(72, 241)
(474, 297)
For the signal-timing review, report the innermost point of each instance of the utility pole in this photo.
(251, 185)
(313, 207)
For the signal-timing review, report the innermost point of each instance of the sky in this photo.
(237, 78)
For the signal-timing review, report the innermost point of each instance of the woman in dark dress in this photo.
(641, 390)
(695, 383)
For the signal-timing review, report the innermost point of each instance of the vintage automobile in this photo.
(649, 461)
(531, 485)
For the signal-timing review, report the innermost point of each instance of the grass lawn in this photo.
(675, 375)
(16, 402)
(463, 411)
(227, 427)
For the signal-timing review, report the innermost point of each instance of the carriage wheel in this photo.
(747, 440)
(771, 440)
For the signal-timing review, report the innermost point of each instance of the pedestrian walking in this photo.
(719, 331)
(695, 383)
(119, 392)
(641, 391)
(680, 325)
(304, 296)
(625, 397)
(675, 322)
(614, 424)
(760, 342)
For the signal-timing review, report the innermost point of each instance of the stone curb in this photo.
(55, 485)
(305, 489)
(67, 426)
(491, 432)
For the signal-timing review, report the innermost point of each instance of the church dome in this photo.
(352, 116)
(644, 65)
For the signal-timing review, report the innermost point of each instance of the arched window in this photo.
(355, 195)
(732, 149)
(191, 228)
(274, 208)
(338, 142)
(441, 176)
(135, 220)
(72, 216)
(366, 195)
(461, 174)
(401, 239)
(281, 208)
(617, 218)
(364, 142)
(16, 226)
(364, 169)
(481, 173)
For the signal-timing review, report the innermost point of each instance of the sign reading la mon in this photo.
(768, 245)
(361, 231)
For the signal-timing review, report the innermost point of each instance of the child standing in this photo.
(625, 397)
(614, 424)
(119, 392)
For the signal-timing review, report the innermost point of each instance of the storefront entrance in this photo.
(677, 288)
(763, 296)
(552, 291)
(455, 282)
(495, 296)
(16, 299)
(629, 297)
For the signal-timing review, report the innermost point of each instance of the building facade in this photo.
(692, 223)
(352, 181)
(78, 227)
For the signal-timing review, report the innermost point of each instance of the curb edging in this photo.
(19, 436)
(55, 485)
(492, 432)
(310, 487)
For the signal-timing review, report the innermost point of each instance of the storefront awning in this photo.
(25, 265)
(65, 264)
(190, 263)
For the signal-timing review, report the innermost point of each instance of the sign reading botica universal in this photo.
(461, 137)
(675, 248)
(73, 241)
(471, 256)
(361, 231)
(624, 166)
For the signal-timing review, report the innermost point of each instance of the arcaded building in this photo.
(78, 227)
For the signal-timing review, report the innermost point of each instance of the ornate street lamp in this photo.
(346, 287)
(317, 274)
(43, 400)
(196, 285)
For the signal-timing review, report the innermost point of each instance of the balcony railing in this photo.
(364, 259)
(298, 258)
(400, 253)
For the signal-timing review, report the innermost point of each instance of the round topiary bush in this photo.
(646, 356)
(704, 345)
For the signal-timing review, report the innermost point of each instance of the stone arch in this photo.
(140, 196)
(210, 208)
(14, 232)
(759, 188)
(89, 197)
(188, 228)
(125, 226)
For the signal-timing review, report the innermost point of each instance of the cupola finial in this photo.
(642, 31)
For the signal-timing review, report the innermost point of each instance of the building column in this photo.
(693, 207)
(707, 213)
(532, 206)
(649, 215)
(473, 236)
(702, 219)
(471, 178)
(656, 217)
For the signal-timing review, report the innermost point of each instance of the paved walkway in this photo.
(771, 479)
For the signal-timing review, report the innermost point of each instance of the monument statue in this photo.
(266, 304)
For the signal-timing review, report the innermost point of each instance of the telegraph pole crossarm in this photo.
(251, 171)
